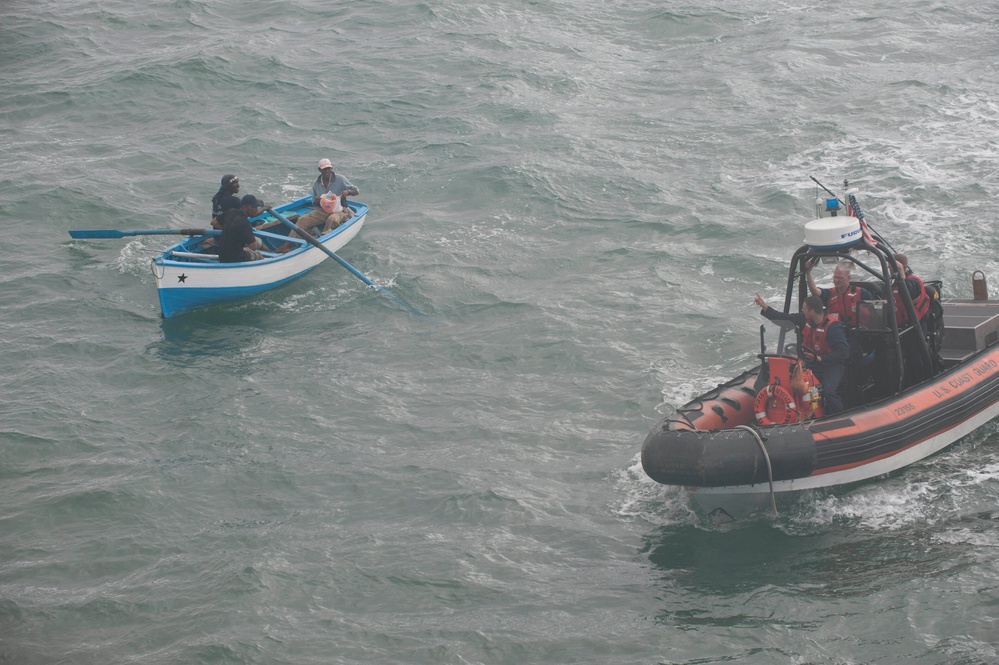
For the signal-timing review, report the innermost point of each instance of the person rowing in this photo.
(237, 242)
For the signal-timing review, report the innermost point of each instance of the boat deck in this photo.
(969, 327)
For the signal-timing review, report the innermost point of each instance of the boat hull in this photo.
(184, 286)
(726, 470)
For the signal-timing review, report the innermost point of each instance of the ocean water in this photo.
(584, 197)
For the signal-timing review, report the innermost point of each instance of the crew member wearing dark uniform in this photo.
(826, 339)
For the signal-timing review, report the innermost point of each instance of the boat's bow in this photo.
(718, 458)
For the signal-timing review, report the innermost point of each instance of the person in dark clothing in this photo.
(225, 199)
(826, 339)
(237, 242)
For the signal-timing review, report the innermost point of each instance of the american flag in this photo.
(855, 211)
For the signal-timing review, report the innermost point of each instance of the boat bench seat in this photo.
(277, 236)
(270, 222)
(195, 256)
(970, 325)
(212, 258)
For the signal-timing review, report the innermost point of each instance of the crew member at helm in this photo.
(841, 300)
(825, 338)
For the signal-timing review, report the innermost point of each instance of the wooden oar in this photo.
(114, 233)
(357, 273)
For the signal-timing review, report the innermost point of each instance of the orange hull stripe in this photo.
(912, 405)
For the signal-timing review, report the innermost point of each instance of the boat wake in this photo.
(959, 484)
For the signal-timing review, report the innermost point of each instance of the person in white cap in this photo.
(331, 183)
(329, 196)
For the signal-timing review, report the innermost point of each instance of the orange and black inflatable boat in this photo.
(909, 391)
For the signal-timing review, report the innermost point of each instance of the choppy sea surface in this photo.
(584, 197)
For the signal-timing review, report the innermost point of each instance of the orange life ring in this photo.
(774, 405)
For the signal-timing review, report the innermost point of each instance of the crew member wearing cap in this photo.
(329, 196)
(237, 242)
(224, 199)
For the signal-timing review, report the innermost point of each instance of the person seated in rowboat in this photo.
(237, 242)
(329, 182)
(825, 338)
(210, 245)
(329, 212)
(225, 198)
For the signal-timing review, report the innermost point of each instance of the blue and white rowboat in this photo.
(188, 277)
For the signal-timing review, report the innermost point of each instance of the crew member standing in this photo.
(825, 338)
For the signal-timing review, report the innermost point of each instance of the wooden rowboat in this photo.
(189, 275)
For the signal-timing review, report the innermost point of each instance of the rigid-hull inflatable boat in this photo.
(909, 390)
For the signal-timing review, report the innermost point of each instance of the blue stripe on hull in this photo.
(176, 301)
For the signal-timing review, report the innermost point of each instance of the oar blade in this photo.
(115, 233)
(333, 255)
(96, 233)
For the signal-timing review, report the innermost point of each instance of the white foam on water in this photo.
(875, 508)
(961, 481)
(133, 259)
(648, 500)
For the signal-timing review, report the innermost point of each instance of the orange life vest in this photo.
(920, 303)
(814, 337)
(844, 305)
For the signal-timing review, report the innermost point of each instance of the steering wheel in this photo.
(809, 350)
(793, 350)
